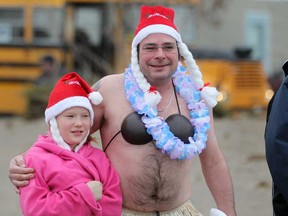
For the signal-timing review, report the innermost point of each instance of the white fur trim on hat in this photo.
(157, 28)
(208, 94)
(151, 98)
(67, 103)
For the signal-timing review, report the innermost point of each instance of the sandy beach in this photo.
(241, 139)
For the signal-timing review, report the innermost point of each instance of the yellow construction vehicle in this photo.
(93, 38)
(241, 81)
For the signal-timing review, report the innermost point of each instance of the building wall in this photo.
(225, 29)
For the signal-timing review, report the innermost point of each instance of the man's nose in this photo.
(160, 52)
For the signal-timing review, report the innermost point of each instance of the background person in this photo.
(49, 73)
(276, 142)
(151, 158)
(71, 176)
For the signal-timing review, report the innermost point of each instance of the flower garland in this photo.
(159, 129)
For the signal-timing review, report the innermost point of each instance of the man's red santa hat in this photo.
(159, 19)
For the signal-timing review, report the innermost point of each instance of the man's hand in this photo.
(18, 173)
(96, 188)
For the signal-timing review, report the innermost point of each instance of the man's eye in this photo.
(150, 48)
(168, 47)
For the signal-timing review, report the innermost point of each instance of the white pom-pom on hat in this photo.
(152, 98)
(95, 98)
(209, 94)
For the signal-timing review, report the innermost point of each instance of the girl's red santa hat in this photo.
(71, 91)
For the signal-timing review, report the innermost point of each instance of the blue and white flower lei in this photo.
(159, 129)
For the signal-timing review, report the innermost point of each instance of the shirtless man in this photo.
(154, 168)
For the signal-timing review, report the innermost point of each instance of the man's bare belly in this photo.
(152, 182)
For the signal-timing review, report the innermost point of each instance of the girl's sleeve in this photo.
(37, 198)
(112, 196)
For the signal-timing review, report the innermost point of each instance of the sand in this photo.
(241, 139)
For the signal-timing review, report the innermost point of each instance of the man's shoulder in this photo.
(111, 81)
(110, 77)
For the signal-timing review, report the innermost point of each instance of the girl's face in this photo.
(74, 124)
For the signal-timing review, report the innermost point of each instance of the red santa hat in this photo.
(159, 19)
(155, 19)
(70, 91)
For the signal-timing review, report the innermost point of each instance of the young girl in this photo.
(71, 176)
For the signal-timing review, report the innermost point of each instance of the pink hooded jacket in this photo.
(59, 186)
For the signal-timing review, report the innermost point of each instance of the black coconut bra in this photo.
(134, 131)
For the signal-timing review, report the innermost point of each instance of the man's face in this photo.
(158, 57)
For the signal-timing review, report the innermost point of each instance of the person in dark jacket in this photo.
(276, 143)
